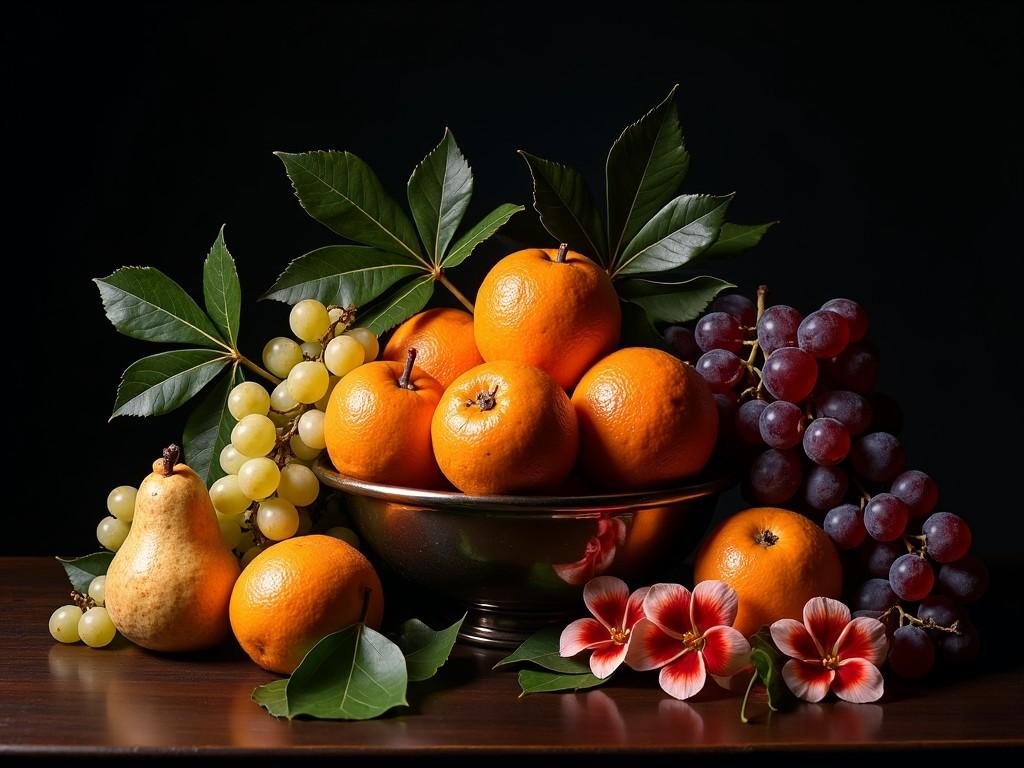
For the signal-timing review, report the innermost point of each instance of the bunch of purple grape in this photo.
(798, 407)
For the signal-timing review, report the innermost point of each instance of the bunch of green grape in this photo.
(87, 620)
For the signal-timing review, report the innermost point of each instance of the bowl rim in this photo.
(702, 486)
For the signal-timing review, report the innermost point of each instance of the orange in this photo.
(505, 427)
(297, 592)
(377, 424)
(776, 560)
(646, 418)
(560, 316)
(444, 343)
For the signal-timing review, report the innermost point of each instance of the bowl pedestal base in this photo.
(487, 626)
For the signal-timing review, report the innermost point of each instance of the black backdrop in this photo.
(884, 137)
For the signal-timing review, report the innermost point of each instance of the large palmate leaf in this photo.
(425, 649)
(677, 233)
(208, 428)
(440, 189)
(541, 648)
(82, 570)
(645, 167)
(566, 207)
(221, 290)
(672, 302)
(736, 238)
(144, 303)
(399, 305)
(160, 383)
(346, 275)
(486, 227)
(344, 194)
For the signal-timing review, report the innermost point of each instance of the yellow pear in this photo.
(169, 585)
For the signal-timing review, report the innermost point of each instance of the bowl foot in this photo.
(487, 626)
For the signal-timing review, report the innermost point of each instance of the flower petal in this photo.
(635, 608)
(863, 638)
(794, 640)
(578, 573)
(714, 604)
(581, 635)
(606, 659)
(650, 648)
(668, 606)
(611, 531)
(684, 677)
(825, 619)
(725, 651)
(809, 682)
(858, 681)
(606, 598)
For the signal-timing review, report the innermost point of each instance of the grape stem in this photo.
(443, 280)
(283, 444)
(909, 618)
(84, 602)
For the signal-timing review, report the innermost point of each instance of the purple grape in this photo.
(912, 653)
(848, 407)
(748, 421)
(737, 305)
(911, 577)
(775, 476)
(777, 328)
(790, 374)
(682, 343)
(886, 414)
(855, 316)
(718, 330)
(948, 536)
(918, 491)
(885, 517)
(965, 580)
(845, 526)
(941, 610)
(875, 595)
(877, 457)
(721, 369)
(856, 369)
(826, 441)
(878, 557)
(826, 487)
(959, 648)
(781, 424)
(824, 334)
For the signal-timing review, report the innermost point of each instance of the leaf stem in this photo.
(743, 707)
(236, 355)
(443, 280)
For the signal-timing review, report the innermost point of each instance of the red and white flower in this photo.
(688, 636)
(598, 553)
(829, 651)
(608, 635)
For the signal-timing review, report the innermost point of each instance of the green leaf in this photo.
(566, 207)
(208, 428)
(645, 167)
(273, 697)
(144, 303)
(346, 275)
(426, 651)
(535, 681)
(82, 570)
(736, 238)
(486, 227)
(344, 194)
(672, 302)
(354, 674)
(541, 649)
(398, 306)
(638, 330)
(676, 234)
(439, 192)
(160, 383)
(221, 290)
(767, 663)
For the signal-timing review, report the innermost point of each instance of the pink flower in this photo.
(608, 634)
(689, 636)
(830, 651)
(598, 553)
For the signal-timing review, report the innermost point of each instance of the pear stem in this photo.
(405, 380)
(171, 455)
(563, 251)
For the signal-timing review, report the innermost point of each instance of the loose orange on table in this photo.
(552, 308)
(646, 420)
(444, 343)
(775, 559)
(297, 592)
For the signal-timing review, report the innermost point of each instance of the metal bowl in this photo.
(518, 562)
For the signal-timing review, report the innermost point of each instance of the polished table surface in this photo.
(72, 699)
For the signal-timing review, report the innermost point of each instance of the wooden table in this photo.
(62, 699)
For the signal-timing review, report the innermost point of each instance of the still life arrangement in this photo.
(561, 437)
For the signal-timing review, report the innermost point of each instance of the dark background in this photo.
(886, 138)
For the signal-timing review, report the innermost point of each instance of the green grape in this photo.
(64, 624)
(301, 450)
(98, 589)
(368, 339)
(229, 532)
(311, 350)
(311, 429)
(309, 320)
(343, 354)
(321, 404)
(258, 478)
(280, 355)
(277, 519)
(247, 398)
(308, 381)
(305, 523)
(345, 534)
(111, 533)
(254, 435)
(95, 628)
(334, 314)
(232, 459)
(281, 400)
(227, 495)
(251, 554)
(121, 502)
(299, 485)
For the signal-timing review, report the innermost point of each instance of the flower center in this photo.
(693, 641)
(830, 662)
(619, 636)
